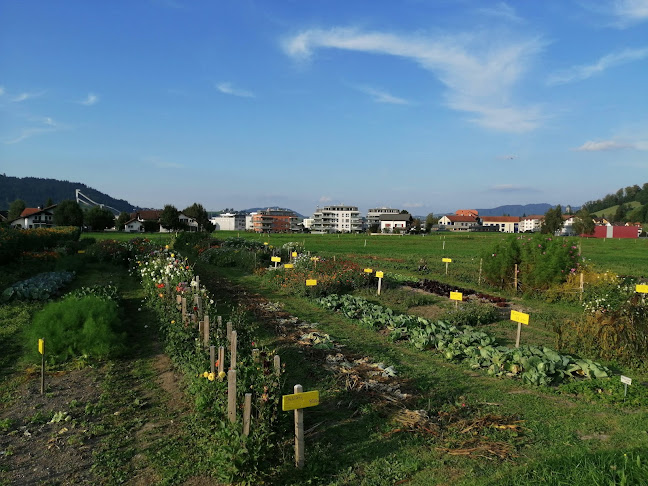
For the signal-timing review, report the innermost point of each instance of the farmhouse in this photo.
(506, 224)
(35, 218)
(400, 223)
(454, 222)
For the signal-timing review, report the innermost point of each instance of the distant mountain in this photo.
(36, 191)
(518, 210)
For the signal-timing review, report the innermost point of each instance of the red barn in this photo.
(616, 232)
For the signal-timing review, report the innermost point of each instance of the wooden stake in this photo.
(277, 365)
(221, 359)
(299, 432)
(519, 333)
(233, 350)
(515, 278)
(231, 395)
(229, 330)
(582, 286)
(200, 329)
(184, 308)
(481, 260)
(446, 266)
(166, 286)
(206, 331)
(379, 284)
(198, 303)
(247, 411)
(42, 390)
(212, 359)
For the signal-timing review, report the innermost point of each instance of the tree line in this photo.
(622, 198)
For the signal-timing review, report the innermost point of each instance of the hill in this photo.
(35, 191)
(518, 210)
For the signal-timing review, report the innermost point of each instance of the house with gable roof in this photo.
(35, 218)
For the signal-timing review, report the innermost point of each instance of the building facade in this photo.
(453, 222)
(337, 219)
(274, 221)
(505, 224)
(373, 216)
(35, 218)
(229, 222)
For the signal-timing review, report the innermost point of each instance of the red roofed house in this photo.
(467, 212)
(506, 224)
(35, 218)
(459, 223)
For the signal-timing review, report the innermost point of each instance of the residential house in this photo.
(395, 223)
(467, 212)
(337, 219)
(531, 224)
(505, 224)
(373, 215)
(454, 222)
(134, 226)
(229, 222)
(35, 218)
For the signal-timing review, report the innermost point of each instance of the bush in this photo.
(13, 241)
(109, 251)
(77, 327)
(472, 314)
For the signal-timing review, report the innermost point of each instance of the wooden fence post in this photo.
(233, 350)
(206, 331)
(221, 359)
(582, 287)
(247, 411)
(277, 364)
(481, 260)
(231, 395)
(229, 330)
(212, 359)
(184, 309)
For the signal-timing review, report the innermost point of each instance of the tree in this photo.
(430, 221)
(583, 223)
(416, 226)
(68, 213)
(16, 208)
(170, 218)
(49, 203)
(620, 213)
(99, 218)
(552, 221)
(122, 219)
(197, 212)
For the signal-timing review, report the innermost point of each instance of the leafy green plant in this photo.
(40, 287)
(76, 327)
(472, 314)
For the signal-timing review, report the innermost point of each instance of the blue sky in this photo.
(429, 106)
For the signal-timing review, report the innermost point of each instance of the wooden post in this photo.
(184, 309)
(233, 350)
(446, 266)
(42, 350)
(221, 359)
(582, 287)
(515, 278)
(481, 260)
(166, 287)
(198, 304)
(299, 432)
(178, 299)
(212, 359)
(443, 245)
(231, 395)
(200, 329)
(379, 284)
(206, 331)
(197, 279)
(365, 242)
(277, 365)
(229, 330)
(519, 332)
(247, 411)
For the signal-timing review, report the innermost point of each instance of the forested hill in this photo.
(36, 191)
(622, 196)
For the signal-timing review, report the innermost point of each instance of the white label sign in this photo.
(626, 380)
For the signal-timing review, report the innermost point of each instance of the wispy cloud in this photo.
(579, 73)
(478, 75)
(2, 90)
(227, 88)
(90, 100)
(325, 199)
(630, 11)
(160, 163)
(591, 146)
(501, 10)
(26, 96)
(511, 188)
(380, 96)
(45, 125)
(413, 205)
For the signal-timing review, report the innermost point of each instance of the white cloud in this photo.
(510, 188)
(90, 100)
(227, 88)
(413, 205)
(501, 10)
(478, 75)
(2, 90)
(380, 96)
(579, 73)
(591, 146)
(631, 11)
(46, 125)
(26, 96)
(325, 199)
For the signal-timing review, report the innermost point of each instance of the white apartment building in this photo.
(531, 223)
(373, 215)
(229, 222)
(333, 219)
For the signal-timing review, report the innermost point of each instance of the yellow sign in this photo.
(642, 288)
(294, 254)
(289, 265)
(520, 317)
(41, 346)
(368, 270)
(300, 400)
(275, 259)
(311, 283)
(446, 260)
(265, 243)
(380, 274)
(81, 251)
(456, 296)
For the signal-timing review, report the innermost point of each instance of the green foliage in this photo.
(552, 221)
(103, 292)
(169, 218)
(68, 213)
(199, 213)
(189, 242)
(583, 223)
(99, 218)
(111, 251)
(230, 257)
(40, 287)
(472, 314)
(122, 219)
(13, 241)
(543, 261)
(77, 327)
(15, 209)
(610, 391)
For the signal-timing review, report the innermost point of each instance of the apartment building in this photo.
(274, 221)
(373, 215)
(334, 219)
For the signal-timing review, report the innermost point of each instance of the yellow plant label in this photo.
(294, 254)
(380, 274)
(446, 260)
(289, 265)
(368, 270)
(642, 288)
(81, 251)
(41, 346)
(300, 400)
(311, 283)
(520, 317)
(456, 296)
(275, 259)
(265, 243)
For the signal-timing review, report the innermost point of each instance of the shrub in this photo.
(472, 314)
(77, 327)
(109, 251)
